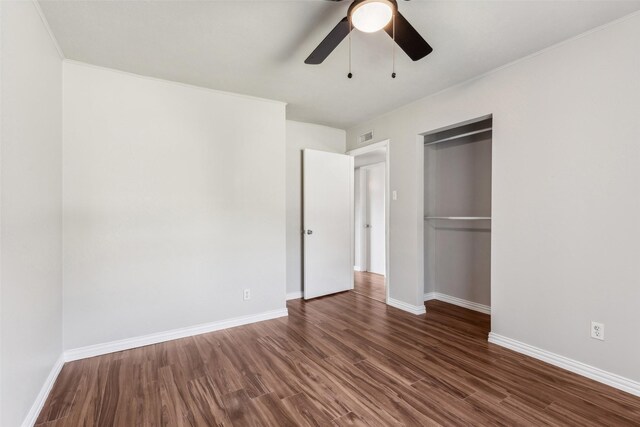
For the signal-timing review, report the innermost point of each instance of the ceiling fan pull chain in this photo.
(393, 52)
(350, 31)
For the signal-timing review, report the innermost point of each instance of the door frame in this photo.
(387, 199)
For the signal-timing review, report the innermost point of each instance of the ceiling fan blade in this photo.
(330, 42)
(408, 38)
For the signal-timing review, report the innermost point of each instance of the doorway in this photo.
(370, 221)
(457, 209)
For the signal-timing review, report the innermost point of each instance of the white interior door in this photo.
(361, 257)
(328, 219)
(375, 218)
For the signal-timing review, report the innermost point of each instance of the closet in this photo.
(457, 197)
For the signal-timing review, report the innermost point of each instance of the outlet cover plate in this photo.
(597, 330)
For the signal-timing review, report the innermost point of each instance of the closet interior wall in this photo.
(457, 174)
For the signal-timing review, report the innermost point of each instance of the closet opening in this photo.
(370, 221)
(457, 209)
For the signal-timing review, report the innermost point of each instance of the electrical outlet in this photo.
(597, 330)
(247, 294)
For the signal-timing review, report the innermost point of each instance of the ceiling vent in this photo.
(365, 137)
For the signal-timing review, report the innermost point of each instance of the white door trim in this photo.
(369, 148)
(386, 144)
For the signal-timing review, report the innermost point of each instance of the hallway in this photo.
(370, 285)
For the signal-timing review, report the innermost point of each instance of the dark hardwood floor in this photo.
(370, 285)
(340, 360)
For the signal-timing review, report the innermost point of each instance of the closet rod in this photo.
(459, 218)
(462, 135)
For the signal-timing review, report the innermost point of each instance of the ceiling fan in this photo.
(370, 16)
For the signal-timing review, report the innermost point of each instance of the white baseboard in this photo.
(413, 309)
(129, 343)
(458, 301)
(357, 268)
(35, 409)
(430, 295)
(294, 295)
(596, 374)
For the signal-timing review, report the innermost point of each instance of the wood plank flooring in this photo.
(370, 285)
(343, 360)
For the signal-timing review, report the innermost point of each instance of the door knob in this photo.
(309, 231)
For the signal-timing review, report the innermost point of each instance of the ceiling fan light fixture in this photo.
(370, 16)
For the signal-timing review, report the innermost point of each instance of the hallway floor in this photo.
(370, 285)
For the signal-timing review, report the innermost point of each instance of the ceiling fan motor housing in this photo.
(358, 3)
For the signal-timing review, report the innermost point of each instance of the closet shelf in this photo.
(454, 137)
(459, 218)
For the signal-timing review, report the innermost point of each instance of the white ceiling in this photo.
(259, 47)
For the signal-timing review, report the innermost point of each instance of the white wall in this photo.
(174, 202)
(300, 136)
(565, 194)
(31, 209)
